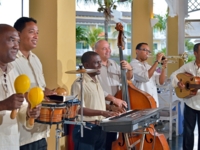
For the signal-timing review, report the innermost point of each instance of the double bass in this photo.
(136, 99)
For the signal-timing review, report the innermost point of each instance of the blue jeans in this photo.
(93, 139)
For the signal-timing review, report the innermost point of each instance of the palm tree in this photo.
(93, 35)
(105, 6)
(162, 22)
(106, 9)
(88, 35)
(81, 34)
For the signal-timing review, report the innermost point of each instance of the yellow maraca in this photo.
(21, 84)
(35, 97)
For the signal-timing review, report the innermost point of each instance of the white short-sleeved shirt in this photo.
(32, 67)
(142, 80)
(9, 133)
(93, 95)
(193, 69)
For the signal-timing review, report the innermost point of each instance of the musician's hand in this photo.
(33, 113)
(126, 65)
(120, 103)
(164, 63)
(117, 109)
(180, 85)
(159, 56)
(13, 102)
(109, 113)
(49, 92)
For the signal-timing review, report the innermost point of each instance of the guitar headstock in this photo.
(120, 42)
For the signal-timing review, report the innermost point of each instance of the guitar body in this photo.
(192, 84)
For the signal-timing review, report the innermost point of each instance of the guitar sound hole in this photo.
(187, 85)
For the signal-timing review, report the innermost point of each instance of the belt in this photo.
(96, 122)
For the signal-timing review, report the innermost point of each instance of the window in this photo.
(7, 16)
(128, 27)
(128, 45)
(80, 45)
(103, 28)
(85, 46)
(155, 46)
(83, 26)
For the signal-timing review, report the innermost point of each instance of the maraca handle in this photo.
(31, 121)
(13, 114)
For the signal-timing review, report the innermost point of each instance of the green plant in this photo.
(81, 34)
(163, 50)
(93, 36)
(190, 58)
(189, 45)
(162, 22)
(128, 58)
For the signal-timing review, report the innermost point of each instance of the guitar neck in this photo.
(195, 86)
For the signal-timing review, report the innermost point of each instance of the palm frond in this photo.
(162, 22)
(80, 34)
(93, 36)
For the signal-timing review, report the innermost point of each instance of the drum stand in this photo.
(58, 131)
(82, 98)
(81, 123)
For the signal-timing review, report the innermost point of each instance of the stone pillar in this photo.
(57, 45)
(141, 24)
(176, 34)
(172, 42)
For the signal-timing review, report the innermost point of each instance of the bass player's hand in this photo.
(120, 103)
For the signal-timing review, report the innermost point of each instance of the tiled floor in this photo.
(176, 142)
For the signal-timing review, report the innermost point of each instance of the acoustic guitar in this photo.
(192, 84)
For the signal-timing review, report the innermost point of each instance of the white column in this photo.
(181, 24)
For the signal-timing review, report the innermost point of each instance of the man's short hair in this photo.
(140, 45)
(21, 23)
(196, 47)
(87, 56)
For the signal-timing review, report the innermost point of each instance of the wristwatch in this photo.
(157, 61)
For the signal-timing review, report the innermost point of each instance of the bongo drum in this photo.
(51, 113)
(71, 111)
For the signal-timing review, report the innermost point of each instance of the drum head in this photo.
(73, 102)
(52, 105)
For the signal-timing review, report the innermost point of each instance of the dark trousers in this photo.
(191, 116)
(93, 139)
(37, 145)
(110, 137)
